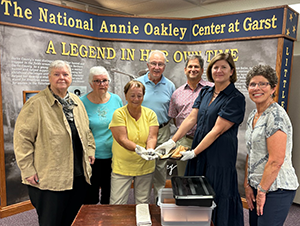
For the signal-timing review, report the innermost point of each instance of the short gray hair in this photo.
(157, 51)
(98, 70)
(59, 64)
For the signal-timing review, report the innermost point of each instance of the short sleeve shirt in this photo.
(182, 101)
(158, 96)
(274, 118)
(126, 162)
(100, 116)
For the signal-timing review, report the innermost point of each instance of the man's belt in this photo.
(163, 125)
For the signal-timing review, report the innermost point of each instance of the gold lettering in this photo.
(111, 53)
(51, 48)
(18, 10)
(83, 52)
(144, 54)
(92, 51)
(285, 72)
(6, 5)
(73, 49)
(64, 53)
(284, 82)
(177, 56)
(103, 27)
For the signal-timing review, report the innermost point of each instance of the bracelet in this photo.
(261, 189)
(247, 186)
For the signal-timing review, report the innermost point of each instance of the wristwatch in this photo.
(261, 189)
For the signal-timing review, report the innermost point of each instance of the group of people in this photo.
(66, 147)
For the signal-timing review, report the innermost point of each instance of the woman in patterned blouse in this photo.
(270, 179)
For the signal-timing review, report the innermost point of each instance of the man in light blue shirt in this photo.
(159, 90)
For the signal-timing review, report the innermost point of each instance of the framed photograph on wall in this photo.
(28, 94)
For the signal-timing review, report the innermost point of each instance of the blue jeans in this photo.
(275, 210)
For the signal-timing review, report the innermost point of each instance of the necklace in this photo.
(256, 116)
(216, 93)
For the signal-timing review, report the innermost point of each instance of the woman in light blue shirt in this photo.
(270, 179)
(100, 106)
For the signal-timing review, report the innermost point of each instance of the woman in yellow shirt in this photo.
(134, 129)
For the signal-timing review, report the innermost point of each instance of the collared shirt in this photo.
(274, 118)
(124, 161)
(182, 101)
(43, 142)
(158, 96)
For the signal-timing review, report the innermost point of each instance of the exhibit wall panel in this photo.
(24, 68)
(29, 44)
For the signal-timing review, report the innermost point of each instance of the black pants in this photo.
(276, 208)
(101, 175)
(58, 208)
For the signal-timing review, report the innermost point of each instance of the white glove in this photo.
(146, 154)
(186, 155)
(149, 155)
(166, 147)
(140, 150)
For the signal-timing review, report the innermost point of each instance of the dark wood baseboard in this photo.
(10, 210)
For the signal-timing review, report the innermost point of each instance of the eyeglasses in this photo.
(98, 82)
(261, 85)
(160, 65)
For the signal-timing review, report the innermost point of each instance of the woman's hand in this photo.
(91, 159)
(33, 179)
(165, 147)
(149, 154)
(260, 202)
(249, 197)
(187, 155)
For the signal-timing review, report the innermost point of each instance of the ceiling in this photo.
(171, 8)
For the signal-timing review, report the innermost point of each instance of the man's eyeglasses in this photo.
(98, 82)
(160, 65)
(261, 85)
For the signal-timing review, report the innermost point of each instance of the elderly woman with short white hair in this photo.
(54, 148)
(100, 105)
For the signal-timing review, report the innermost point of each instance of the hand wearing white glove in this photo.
(146, 154)
(166, 147)
(140, 150)
(186, 155)
(150, 154)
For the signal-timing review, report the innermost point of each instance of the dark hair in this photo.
(264, 70)
(193, 57)
(222, 56)
(134, 83)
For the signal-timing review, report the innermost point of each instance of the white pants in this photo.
(121, 184)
